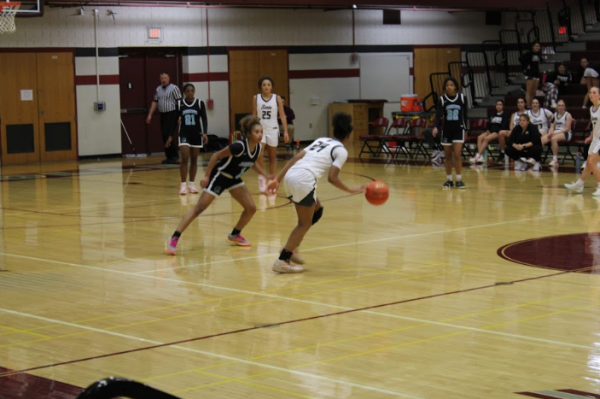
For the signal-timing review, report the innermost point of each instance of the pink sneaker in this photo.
(192, 188)
(171, 245)
(238, 240)
(183, 190)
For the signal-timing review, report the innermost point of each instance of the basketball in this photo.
(377, 192)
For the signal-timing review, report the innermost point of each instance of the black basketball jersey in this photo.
(193, 117)
(240, 160)
(453, 110)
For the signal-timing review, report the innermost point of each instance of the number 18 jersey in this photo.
(321, 155)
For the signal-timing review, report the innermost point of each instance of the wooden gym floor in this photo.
(488, 292)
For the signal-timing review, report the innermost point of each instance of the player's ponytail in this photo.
(248, 123)
(342, 126)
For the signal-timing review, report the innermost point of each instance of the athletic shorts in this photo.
(194, 141)
(301, 186)
(270, 136)
(219, 183)
(450, 136)
(595, 146)
(531, 75)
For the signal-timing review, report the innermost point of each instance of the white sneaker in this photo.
(280, 266)
(297, 258)
(553, 104)
(530, 161)
(596, 193)
(520, 165)
(537, 167)
(192, 188)
(475, 159)
(183, 190)
(574, 187)
(553, 162)
(262, 184)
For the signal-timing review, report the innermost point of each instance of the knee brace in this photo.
(317, 215)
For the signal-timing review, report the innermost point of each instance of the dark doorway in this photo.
(139, 70)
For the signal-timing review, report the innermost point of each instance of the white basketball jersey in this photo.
(595, 118)
(267, 112)
(560, 123)
(321, 154)
(515, 119)
(540, 119)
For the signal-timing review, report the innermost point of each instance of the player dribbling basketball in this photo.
(301, 175)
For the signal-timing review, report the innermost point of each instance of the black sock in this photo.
(235, 232)
(176, 234)
(285, 255)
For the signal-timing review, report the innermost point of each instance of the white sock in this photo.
(458, 177)
(449, 177)
(580, 183)
(555, 157)
(182, 184)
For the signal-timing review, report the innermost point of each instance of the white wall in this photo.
(245, 27)
(98, 132)
(218, 117)
(186, 27)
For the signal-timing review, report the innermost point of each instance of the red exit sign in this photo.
(562, 30)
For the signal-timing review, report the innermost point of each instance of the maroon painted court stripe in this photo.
(284, 323)
(580, 393)
(536, 395)
(30, 386)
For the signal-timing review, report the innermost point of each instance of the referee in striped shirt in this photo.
(166, 98)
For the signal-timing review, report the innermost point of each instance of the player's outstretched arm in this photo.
(272, 187)
(225, 152)
(334, 179)
(262, 172)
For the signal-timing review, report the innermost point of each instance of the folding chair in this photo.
(476, 127)
(566, 144)
(413, 134)
(379, 139)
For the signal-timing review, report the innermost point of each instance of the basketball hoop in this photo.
(8, 11)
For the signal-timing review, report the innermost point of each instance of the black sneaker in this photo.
(460, 184)
(448, 184)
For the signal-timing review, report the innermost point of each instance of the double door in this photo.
(245, 68)
(139, 76)
(37, 107)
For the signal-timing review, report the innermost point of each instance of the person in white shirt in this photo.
(301, 175)
(560, 130)
(541, 117)
(591, 166)
(266, 106)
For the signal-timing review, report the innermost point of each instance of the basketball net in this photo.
(8, 11)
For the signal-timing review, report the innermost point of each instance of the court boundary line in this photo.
(158, 344)
(345, 310)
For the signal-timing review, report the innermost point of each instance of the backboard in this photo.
(30, 8)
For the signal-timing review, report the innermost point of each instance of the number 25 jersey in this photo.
(267, 112)
(321, 154)
(453, 111)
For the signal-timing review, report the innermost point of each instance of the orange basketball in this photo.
(377, 192)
